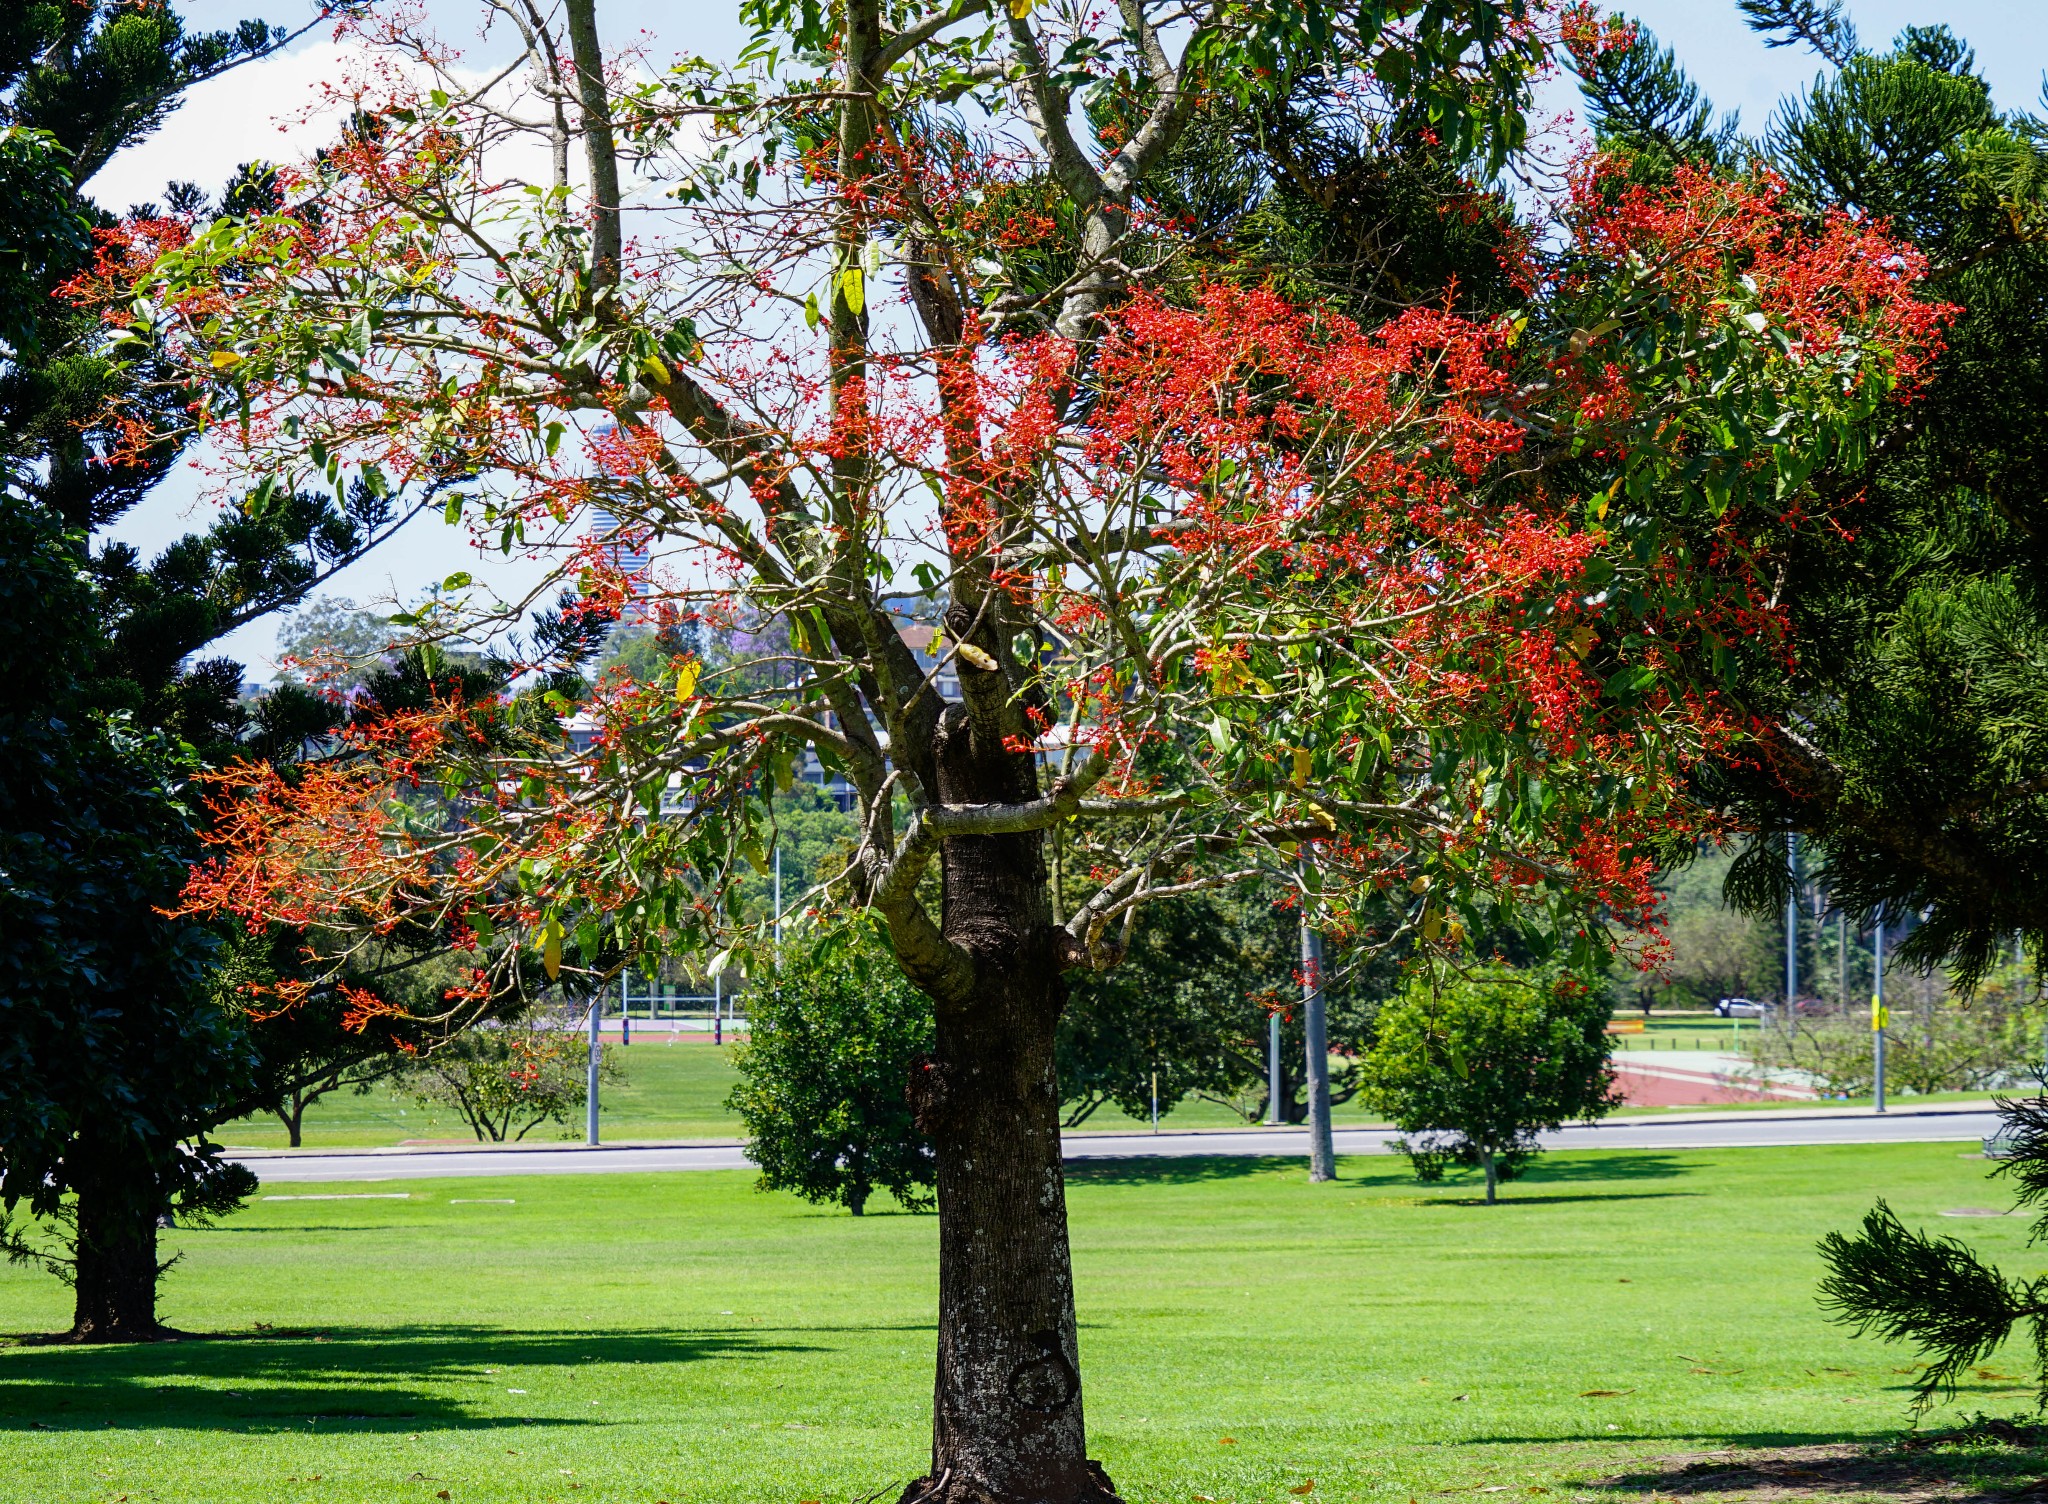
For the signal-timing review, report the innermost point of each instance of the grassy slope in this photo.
(683, 1337)
(671, 1091)
(678, 1090)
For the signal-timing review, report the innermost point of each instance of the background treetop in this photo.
(1901, 745)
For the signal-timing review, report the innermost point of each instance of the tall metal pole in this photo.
(778, 897)
(1842, 954)
(1791, 927)
(625, 1008)
(1273, 1071)
(1877, 1018)
(1322, 1152)
(596, 1055)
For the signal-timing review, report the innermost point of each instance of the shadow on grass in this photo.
(1787, 1468)
(1512, 1199)
(1386, 1172)
(1178, 1169)
(327, 1378)
(1528, 1188)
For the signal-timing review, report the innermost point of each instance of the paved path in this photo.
(1726, 1131)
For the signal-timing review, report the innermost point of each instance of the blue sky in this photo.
(233, 119)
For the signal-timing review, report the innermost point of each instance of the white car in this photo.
(1739, 1007)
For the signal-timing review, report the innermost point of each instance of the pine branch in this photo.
(1932, 1292)
(1641, 97)
(1820, 24)
(2026, 1163)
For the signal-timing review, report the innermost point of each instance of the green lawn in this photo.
(677, 1091)
(671, 1091)
(683, 1337)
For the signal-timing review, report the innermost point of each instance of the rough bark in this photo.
(116, 1269)
(1007, 1419)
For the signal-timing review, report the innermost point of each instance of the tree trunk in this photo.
(1486, 1156)
(116, 1270)
(1007, 1425)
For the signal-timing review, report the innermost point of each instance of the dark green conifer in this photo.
(1906, 750)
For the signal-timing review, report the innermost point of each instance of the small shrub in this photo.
(506, 1081)
(1471, 1067)
(833, 1029)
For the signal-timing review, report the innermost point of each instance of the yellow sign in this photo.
(1880, 1015)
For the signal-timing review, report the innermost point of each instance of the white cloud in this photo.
(257, 112)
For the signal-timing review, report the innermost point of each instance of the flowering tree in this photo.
(1232, 588)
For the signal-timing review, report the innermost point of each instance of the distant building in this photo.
(624, 543)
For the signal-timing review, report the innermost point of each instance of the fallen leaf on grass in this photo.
(1228, 1441)
(1537, 1488)
(1492, 1488)
(442, 1493)
(1456, 1397)
(1603, 1394)
(1991, 1373)
(1713, 1370)
(1304, 1488)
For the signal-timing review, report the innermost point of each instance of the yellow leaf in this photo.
(1019, 9)
(1582, 639)
(969, 653)
(225, 359)
(654, 370)
(1640, 797)
(1432, 925)
(1302, 761)
(1230, 677)
(551, 952)
(686, 678)
(1420, 885)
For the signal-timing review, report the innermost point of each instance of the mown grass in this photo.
(684, 1337)
(674, 1088)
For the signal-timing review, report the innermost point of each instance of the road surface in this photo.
(1730, 1131)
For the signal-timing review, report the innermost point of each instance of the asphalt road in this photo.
(1732, 1131)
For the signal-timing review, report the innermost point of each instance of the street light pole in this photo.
(1273, 1071)
(596, 1055)
(1791, 926)
(1322, 1152)
(1877, 1014)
